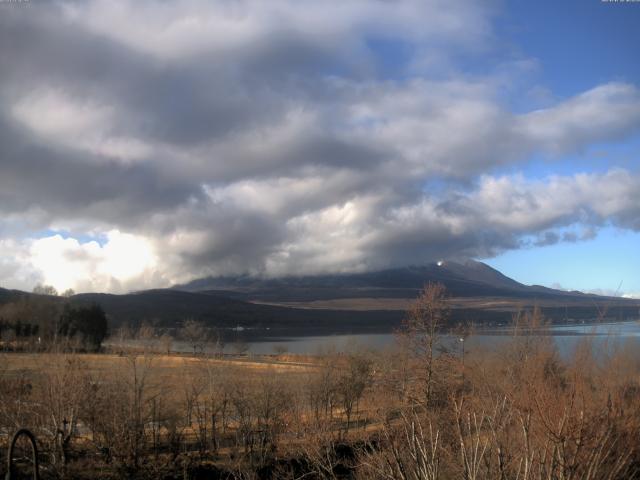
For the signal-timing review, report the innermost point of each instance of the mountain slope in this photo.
(345, 302)
(169, 308)
(469, 279)
(7, 296)
(479, 293)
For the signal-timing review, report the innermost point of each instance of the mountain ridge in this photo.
(338, 302)
(471, 278)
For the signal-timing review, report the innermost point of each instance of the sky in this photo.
(148, 143)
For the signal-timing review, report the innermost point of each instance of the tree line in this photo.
(35, 322)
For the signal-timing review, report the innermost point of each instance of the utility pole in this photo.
(461, 340)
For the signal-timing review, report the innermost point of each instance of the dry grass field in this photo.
(167, 366)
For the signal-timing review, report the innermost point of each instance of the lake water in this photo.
(566, 337)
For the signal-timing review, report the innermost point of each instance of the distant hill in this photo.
(169, 308)
(372, 301)
(7, 296)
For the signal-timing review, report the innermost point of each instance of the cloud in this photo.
(273, 138)
(123, 262)
(301, 234)
(15, 266)
(548, 238)
(182, 28)
(607, 111)
(85, 126)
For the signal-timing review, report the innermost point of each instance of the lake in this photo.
(566, 337)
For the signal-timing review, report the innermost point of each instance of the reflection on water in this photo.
(566, 337)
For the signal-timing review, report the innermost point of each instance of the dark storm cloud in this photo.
(180, 104)
(69, 184)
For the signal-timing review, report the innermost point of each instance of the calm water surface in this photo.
(567, 337)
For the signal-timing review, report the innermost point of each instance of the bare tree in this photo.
(63, 391)
(321, 389)
(147, 337)
(122, 335)
(166, 340)
(352, 383)
(280, 349)
(120, 409)
(420, 332)
(240, 347)
(45, 290)
(195, 334)
(69, 292)
(411, 450)
(217, 381)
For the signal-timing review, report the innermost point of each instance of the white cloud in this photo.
(16, 270)
(515, 204)
(122, 261)
(459, 128)
(607, 111)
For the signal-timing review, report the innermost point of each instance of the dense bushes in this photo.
(39, 322)
(89, 323)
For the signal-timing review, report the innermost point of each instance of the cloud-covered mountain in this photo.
(467, 279)
(144, 144)
(374, 301)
